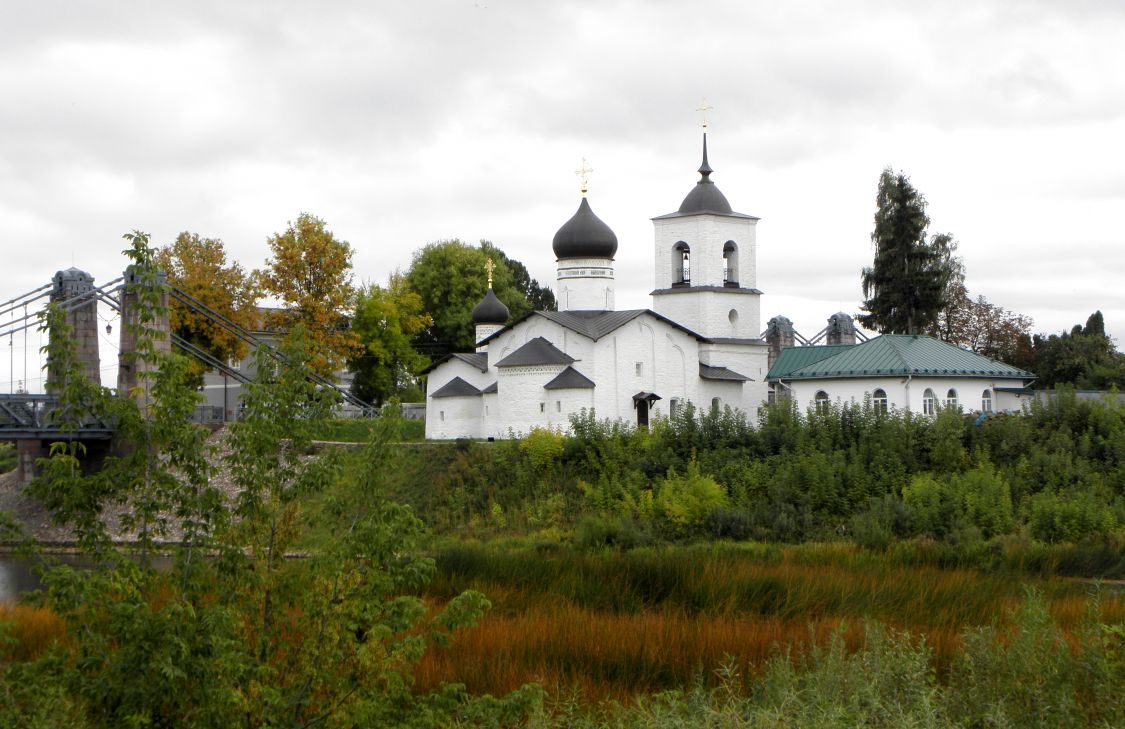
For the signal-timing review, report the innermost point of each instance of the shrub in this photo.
(595, 531)
(685, 501)
(1056, 518)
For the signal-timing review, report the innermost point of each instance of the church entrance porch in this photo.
(642, 402)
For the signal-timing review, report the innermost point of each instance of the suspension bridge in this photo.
(34, 421)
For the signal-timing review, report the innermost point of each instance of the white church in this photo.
(700, 342)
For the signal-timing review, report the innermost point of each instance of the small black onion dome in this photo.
(585, 236)
(705, 197)
(490, 310)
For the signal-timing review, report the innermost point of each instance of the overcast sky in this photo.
(408, 122)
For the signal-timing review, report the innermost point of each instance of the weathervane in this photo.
(583, 173)
(703, 110)
(488, 266)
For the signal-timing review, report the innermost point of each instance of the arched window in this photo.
(730, 263)
(716, 404)
(821, 401)
(879, 400)
(986, 401)
(929, 402)
(951, 398)
(681, 264)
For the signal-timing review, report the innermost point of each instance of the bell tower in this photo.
(706, 263)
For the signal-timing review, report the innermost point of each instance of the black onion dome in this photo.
(490, 310)
(585, 236)
(705, 197)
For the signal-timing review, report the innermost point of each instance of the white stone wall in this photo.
(668, 360)
(522, 399)
(709, 312)
(706, 235)
(453, 417)
(451, 426)
(907, 393)
(585, 284)
(484, 331)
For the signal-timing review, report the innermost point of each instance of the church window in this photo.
(929, 402)
(951, 398)
(730, 263)
(986, 401)
(558, 406)
(681, 264)
(732, 316)
(542, 407)
(879, 400)
(716, 403)
(821, 399)
(673, 407)
(640, 369)
(441, 416)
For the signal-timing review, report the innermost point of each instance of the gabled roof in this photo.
(537, 351)
(456, 388)
(473, 359)
(903, 354)
(594, 324)
(792, 359)
(491, 389)
(707, 372)
(570, 379)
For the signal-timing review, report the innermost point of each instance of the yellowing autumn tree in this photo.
(199, 267)
(310, 274)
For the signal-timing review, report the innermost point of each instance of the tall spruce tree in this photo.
(905, 287)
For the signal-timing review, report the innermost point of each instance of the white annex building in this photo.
(699, 342)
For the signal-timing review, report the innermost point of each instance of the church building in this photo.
(700, 342)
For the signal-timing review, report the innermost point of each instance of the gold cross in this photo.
(703, 110)
(583, 173)
(488, 266)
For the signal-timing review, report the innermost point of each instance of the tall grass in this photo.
(26, 631)
(613, 624)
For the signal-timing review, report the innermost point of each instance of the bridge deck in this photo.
(35, 417)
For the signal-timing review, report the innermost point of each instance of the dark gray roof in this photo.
(473, 359)
(490, 310)
(705, 197)
(570, 379)
(585, 236)
(696, 289)
(456, 388)
(595, 324)
(490, 390)
(537, 351)
(707, 372)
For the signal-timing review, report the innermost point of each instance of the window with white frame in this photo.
(879, 400)
(929, 402)
(986, 401)
(951, 398)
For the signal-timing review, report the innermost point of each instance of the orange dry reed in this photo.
(34, 630)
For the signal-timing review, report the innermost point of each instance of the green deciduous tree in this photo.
(235, 632)
(451, 278)
(981, 326)
(310, 274)
(905, 287)
(387, 319)
(1084, 356)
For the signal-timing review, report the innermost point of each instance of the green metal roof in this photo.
(900, 354)
(794, 358)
